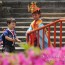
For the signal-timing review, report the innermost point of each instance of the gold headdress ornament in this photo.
(33, 7)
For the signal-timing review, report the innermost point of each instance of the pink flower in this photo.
(5, 61)
(22, 59)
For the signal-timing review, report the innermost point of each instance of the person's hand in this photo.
(14, 40)
(19, 41)
(1, 42)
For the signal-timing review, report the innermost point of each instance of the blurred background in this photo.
(51, 10)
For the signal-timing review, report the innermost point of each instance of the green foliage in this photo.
(27, 47)
(24, 45)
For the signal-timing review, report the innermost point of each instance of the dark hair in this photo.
(37, 12)
(9, 20)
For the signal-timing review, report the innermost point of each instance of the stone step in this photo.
(43, 3)
(44, 22)
(3, 22)
(43, 7)
(21, 49)
(17, 32)
(29, 19)
(15, 10)
(46, 7)
(53, 14)
(43, 10)
(17, 49)
(28, 27)
(52, 37)
(25, 32)
(52, 42)
(24, 28)
(34, 0)
(16, 44)
(51, 33)
(26, 43)
(23, 38)
(22, 14)
(28, 23)
(42, 14)
(27, 14)
(57, 43)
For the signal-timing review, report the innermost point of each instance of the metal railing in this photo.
(43, 28)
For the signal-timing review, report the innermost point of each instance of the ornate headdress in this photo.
(33, 7)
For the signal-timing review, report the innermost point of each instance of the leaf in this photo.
(24, 45)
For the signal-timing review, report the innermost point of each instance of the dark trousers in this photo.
(35, 42)
(7, 48)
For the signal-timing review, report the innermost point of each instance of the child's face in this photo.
(12, 25)
(36, 16)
